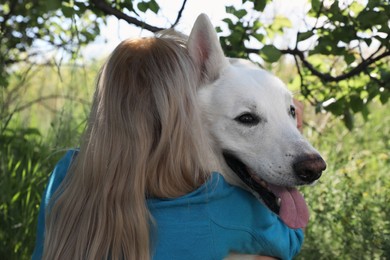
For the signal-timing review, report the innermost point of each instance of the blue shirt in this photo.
(208, 223)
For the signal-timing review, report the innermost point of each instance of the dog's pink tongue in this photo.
(293, 208)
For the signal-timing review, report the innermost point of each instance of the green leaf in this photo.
(259, 5)
(126, 4)
(349, 58)
(280, 22)
(304, 36)
(258, 36)
(270, 53)
(15, 197)
(315, 5)
(229, 23)
(336, 107)
(81, 6)
(67, 11)
(237, 13)
(256, 25)
(384, 97)
(143, 6)
(52, 5)
(348, 119)
(154, 6)
(356, 8)
(365, 112)
(240, 13)
(230, 9)
(356, 103)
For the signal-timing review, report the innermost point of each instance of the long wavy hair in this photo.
(144, 139)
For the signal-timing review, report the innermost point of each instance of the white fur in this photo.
(233, 87)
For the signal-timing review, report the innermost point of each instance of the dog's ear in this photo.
(205, 50)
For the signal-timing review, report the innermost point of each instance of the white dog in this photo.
(251, 117)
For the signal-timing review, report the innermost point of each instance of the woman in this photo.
(142, 186)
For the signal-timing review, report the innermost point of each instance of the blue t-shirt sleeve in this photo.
(55, 180)
(241, 224)
(278, 240)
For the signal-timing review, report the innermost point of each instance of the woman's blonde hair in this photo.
(144, 139)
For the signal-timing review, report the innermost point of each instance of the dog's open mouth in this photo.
(287, 202)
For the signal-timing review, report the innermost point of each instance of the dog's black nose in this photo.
(309, 167)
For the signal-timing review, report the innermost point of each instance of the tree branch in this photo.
(179, 14)
(326, 76)
(329, 78)
(8, 62)
(303, 85)
(28, 55)
(48, 97)
(318, 15)
(107, 9)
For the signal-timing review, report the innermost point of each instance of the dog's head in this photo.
(252, 116)
(252, 119)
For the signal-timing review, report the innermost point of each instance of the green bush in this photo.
(350, 213)
(24, 164)
(41, 116)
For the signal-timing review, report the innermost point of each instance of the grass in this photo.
(42, 114)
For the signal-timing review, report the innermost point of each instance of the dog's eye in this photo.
(292, 111)
(248, 119)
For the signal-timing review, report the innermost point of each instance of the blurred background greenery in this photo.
(44, 107)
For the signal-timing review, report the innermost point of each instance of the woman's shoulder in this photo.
(59, 173)
(243, 223)
(242, 207)
(56, 178)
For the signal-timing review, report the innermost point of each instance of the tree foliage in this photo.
(341, 54)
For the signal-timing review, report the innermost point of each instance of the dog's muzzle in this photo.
(241, 170)
(309, 168)
(285, 201)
